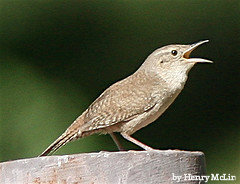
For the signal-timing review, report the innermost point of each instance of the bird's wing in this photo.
(122, 101)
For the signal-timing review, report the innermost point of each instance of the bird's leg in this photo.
(115, 139)
(129, 138)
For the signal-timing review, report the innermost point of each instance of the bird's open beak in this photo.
(195, 60)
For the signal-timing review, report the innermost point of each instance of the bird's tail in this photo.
(70, 134)
(62, 140)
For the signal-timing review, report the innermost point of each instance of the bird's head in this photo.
(174, 57)
(172, 63)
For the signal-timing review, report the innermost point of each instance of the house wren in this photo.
(136, 101)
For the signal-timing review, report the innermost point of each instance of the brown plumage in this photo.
(135, 101)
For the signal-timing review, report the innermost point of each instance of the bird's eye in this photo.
(174, 52)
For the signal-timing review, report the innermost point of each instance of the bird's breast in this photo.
(150, 116)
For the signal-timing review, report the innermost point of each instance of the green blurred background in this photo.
(58, 56)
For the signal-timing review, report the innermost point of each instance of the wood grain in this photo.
(105, 167)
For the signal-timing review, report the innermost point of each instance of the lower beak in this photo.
(195, 60)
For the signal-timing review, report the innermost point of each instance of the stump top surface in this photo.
(108, 153)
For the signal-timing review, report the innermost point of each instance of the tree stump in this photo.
(128, 167)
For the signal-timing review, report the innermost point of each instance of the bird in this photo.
(136, 101)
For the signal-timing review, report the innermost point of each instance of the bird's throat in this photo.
(176, 78)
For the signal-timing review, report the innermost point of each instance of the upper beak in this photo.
(195, 60)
